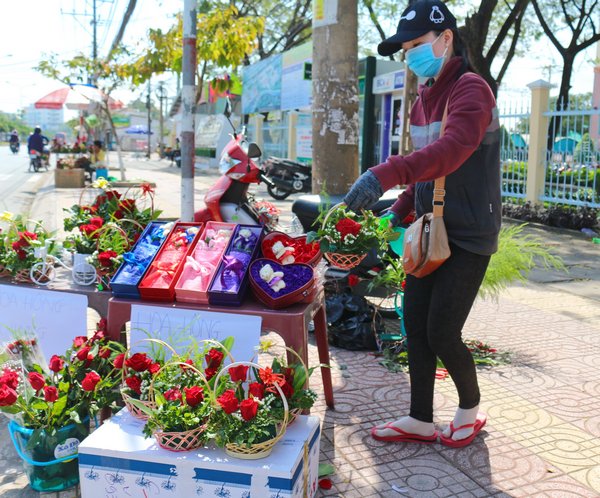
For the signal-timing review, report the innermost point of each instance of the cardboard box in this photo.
(69, 178)
(122, 284)
(116, 460)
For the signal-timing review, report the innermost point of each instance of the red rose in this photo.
(36, 380)
(239, 373)
(112, 194)
(89, 230)
(228, 401)
(10, 378)
(104, 352)
(154, 368)
(134, 383)
(90, 380)
(118, 214)
(97, 221)
(289, 373)
(257, 390)
(139, 362)
(50, 394)
(173, 394)
(104, 258)
(56, 363)
(287, 389)
(248, 409)
(101, 325)
(79, 341)
(193, 395)
(214, 358)
(8, 396)
(98, 336)
(127, 204)
(118, 361)
(209, 373)
(346, 226)
(82, 354)
(189, 361)
(353, 280)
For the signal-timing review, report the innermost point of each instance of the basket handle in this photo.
(330, 212)
(145, 339)
(286, 409)
(185, 366)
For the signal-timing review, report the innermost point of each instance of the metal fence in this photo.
(572, 169)
(275, 135)
(514, 138)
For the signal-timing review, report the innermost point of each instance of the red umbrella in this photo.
(77, 97)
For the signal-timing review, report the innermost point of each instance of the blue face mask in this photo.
(422, 61)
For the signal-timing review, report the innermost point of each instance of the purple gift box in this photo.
(230, 282)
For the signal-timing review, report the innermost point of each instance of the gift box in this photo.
(230, 282)
(285, 249)
(116, 460)
(136, 262)
(201, 265)
(158, 284)
(280, 286)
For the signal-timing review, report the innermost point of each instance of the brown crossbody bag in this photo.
(426, 240)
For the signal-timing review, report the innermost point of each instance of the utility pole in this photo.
(161, 98)
(149, 108)
(188, 104)
(95, 35)
(335, 95)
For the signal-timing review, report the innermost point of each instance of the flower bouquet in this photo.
(200, 267)
(20, 247)
(247, 419)
(50, 412)
(23, 347)
(346, 237)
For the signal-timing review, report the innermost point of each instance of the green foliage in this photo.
(517, 255)
(10, 122)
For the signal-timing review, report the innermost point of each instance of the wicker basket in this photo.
(133, 409)
(340, 260)
(183, 440)
(104, 275)
(257, 450)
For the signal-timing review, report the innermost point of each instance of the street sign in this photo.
(307, 73)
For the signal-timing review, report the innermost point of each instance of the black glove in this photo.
(364, 193)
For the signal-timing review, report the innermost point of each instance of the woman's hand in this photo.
(364, 193)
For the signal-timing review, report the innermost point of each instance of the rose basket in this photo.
(104, 275)
(180, 440)
(344, 261)
(257, 450)
(4, 272)
(133, 409)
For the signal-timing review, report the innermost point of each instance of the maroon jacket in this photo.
(468, 154)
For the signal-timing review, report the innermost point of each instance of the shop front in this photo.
(390, 87)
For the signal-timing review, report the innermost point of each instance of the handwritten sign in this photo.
(56, 317)
(178, 326)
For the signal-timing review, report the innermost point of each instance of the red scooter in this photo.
(228, 199)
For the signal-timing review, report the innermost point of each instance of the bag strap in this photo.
(439, 190)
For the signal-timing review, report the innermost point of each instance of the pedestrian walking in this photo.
(467, 154)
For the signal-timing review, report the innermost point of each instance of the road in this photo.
(17, 185)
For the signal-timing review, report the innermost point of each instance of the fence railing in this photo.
(514, 127)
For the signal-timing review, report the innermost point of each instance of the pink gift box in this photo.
(166, 277)
(200, 266)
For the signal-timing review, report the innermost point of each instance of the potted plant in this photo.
(345, 237)
(50, 411)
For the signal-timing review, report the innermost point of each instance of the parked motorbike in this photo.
(14, 147)
(288, 177)
(228, 199)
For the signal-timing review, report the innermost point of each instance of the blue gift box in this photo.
(130, 273)
(230, 282)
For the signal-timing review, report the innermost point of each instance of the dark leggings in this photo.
(435, 310)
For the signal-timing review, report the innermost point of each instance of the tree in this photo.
(574, 17)
(224, 40)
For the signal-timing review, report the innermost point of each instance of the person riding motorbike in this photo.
(14, 137)
(37, 141)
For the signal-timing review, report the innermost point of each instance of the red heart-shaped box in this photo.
(309, 254)
(299, 279)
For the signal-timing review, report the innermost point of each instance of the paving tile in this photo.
(560, 487)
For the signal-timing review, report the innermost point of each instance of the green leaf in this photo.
(311, 237)
(39, 405)
(326, 469)
(59, 407)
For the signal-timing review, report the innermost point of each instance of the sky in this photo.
(35, 27)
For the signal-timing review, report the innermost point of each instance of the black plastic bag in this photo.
(352, 322)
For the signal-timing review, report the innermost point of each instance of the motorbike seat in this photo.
(306, 207)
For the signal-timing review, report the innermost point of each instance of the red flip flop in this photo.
(460, 443)
(403, 436)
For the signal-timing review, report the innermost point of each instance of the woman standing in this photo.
(467, 154)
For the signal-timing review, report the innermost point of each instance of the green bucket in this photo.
(396, 245)
(49, 458)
